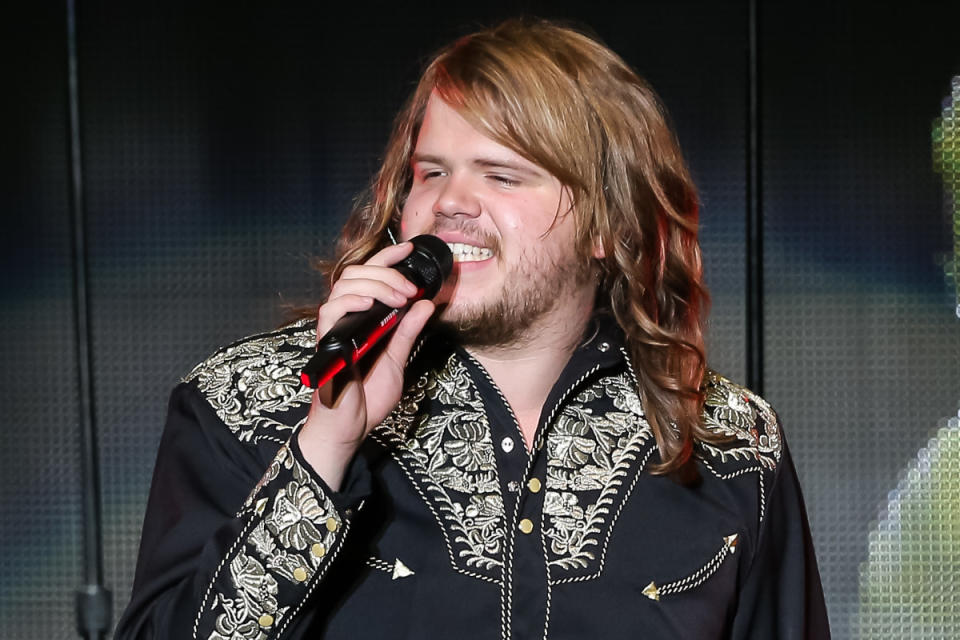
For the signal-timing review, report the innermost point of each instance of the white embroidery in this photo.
(246, 382)
(590, 451)
(452, 456)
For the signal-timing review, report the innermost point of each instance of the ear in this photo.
(598, 251)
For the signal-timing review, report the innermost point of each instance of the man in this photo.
(539, 453)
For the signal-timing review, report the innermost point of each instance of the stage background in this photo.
(223, 146)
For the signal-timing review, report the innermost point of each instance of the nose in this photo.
(457, 198)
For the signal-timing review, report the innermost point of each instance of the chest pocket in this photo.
(656, 590)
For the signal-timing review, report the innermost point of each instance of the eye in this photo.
(429, 173)
(506, 181)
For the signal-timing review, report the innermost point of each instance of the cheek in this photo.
(413, 220)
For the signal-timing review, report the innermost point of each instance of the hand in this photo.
(341, 415)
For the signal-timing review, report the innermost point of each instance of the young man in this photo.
(539, 453)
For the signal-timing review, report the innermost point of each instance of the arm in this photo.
(227, 546)
(781, 596)
(233, 543)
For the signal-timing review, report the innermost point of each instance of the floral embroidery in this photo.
(732, 410)
(450, 450)
(286, 532)
(256, 596)
(591, 448)
(252, 379)
(295, 507)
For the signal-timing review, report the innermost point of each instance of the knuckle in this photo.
(350, 272)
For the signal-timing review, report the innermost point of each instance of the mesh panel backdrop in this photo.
(222, 149)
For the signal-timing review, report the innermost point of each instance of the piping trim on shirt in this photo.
(592, 446)
(281, 528)
(696, 578)
(389, 443)
(450, 451)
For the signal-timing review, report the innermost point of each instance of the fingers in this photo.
(374, 287)
(359, 285)
(390, 255)
(378, 268)
(402, 340)
(334, 309)
(377, 279)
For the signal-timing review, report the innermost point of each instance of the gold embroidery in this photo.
(452, 454)
(732, 410)
(589, 452)
(731, 542)
(293, 522)
(651, 591)
(256, 592)
(254, 378)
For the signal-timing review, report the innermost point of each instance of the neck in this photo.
(526, 371)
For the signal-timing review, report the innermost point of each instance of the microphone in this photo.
(355, 333)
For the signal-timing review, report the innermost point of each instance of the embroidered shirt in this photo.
(446, 525)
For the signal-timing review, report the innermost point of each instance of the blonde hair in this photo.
(572, 106)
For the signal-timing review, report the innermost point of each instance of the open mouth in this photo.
(468, 253)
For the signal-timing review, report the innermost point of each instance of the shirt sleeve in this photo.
(230, 549)
(782, 597)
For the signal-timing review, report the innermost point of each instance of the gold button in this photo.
(265, 620)
(299, 574)
(534, 485)
(318, 550)
(332, 524)
(526, 525)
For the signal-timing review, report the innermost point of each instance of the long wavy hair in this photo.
(569, 104)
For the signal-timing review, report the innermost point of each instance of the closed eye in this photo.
(429, 174)
(506, 181)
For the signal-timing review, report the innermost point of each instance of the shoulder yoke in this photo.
(252, 381)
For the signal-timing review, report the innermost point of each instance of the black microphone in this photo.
(355, 333)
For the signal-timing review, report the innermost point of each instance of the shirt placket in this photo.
(522, 476)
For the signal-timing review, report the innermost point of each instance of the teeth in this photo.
(468, 252)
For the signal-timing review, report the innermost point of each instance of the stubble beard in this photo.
(533, 289)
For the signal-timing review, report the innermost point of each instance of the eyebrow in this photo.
(484, 163)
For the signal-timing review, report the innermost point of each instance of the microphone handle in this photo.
(348, 341)
(356, 332)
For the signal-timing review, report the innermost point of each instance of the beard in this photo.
(535, 288)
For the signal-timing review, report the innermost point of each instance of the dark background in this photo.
(223, 146)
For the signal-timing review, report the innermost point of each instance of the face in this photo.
(510, 226)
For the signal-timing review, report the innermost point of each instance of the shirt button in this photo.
(526, 525)
(507, 444)
(533, 485)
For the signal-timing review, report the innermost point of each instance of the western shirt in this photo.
(447, 526)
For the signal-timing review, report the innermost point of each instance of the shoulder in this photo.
(747, 429)
(253, 384)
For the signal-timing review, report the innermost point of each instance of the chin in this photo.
(453, 311)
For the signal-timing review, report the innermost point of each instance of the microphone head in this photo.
(429, 264)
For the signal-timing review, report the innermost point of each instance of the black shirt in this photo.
(446, 526)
